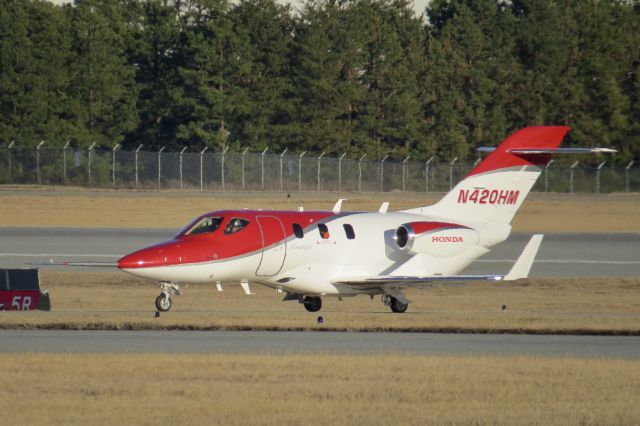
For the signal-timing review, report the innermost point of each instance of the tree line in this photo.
(356, 76)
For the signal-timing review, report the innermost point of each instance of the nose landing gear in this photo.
(163, 301)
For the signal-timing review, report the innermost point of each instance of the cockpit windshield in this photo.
(235, 225)
(205, 225)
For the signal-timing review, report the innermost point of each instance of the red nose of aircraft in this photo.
(140, 259)
(163, 254)
(177, 251)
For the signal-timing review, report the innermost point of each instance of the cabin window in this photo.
(205, 225)
(297, 230)
(324, 231)
(348, 229)
(235, 225)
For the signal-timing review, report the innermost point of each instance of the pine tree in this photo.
(325, 64)
(471, 71)
(102, 86)
(152, 49)
(391, 112)
(34, 49)
(262, 116)
(212, 68)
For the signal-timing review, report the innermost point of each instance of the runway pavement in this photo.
(191, 342)
(561, 255)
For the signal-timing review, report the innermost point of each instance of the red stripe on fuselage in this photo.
(422, 227)
(215, 246)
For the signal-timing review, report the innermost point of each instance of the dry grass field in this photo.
(118, 301)
(34, 206)
(321, 388)
(317, 389)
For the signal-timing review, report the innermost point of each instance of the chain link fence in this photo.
(275, 172)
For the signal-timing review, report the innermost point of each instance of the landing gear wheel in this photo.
(397, 306)
(163, 302)
(312, 303)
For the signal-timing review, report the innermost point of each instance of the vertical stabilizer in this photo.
(496, 188)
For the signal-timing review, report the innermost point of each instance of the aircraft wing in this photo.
(520, 269)
(403, 281)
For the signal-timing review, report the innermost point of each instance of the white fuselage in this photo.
(309, 265)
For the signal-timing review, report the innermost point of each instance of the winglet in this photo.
(523, 265)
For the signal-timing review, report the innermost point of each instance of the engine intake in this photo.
(404, 237)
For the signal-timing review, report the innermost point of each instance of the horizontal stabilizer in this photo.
(542, 151)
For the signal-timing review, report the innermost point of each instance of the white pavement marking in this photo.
(57, 254)
(565, 261)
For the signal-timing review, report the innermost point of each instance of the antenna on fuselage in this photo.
(338, 205)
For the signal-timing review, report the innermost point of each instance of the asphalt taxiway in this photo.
(561, 255)
(316, 342)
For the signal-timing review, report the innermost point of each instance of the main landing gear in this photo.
(396, 305)
(312, 303)
(398, 302)
(163, 301)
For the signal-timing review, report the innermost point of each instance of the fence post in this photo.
(281, 158)
(89, 161)
(201, 171)
(11, 145)
(382, 172)
(340, 171)
(300, 170)
(160, 165)
(451, 172)
(573, 167)
(360, 173)
(626, 176)
(64, 162)
(546, 176)
(319, 158)
(181, 153)
(262, 168)
(243, 154)
(113, 163)
(224, 151)
(404, 171)
(426, 174)
(38, 160)
(136, 163)
(600, 166)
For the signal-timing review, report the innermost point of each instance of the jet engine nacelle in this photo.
(434, 238)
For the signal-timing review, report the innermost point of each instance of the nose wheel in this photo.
(163, 301)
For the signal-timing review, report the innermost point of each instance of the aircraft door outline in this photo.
(275, 253)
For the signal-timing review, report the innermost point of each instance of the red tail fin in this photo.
(529, 137)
